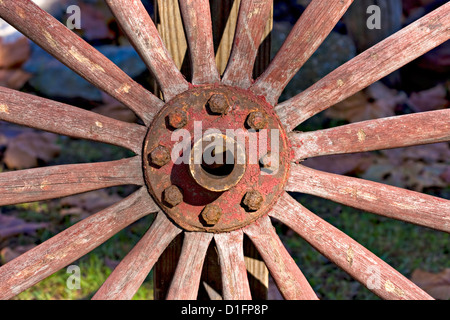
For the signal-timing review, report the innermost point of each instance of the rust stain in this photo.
(4, 108)
(350, 255)
(21, 13)
(361, 135)
(390, 287)
(50, 39)
(125, 88)
(78, 56)
(44, 185)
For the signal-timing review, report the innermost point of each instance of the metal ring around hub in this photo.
(210, 181)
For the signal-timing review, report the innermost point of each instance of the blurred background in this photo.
(419, 253)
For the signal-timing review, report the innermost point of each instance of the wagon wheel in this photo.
(206, 201)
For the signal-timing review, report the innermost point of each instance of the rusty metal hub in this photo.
(229, 158)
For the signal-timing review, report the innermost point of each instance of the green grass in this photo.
(404, 246)
(93, 268)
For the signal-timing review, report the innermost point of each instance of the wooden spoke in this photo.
(186, 280)
(368, 67)
(64, 180)
(388, 201)
(140, 29)
(346, 253)
(230, 248)
(197, 24)
(78, 55)
(48, 115)
(288, 277)
(71, 244)
(131, 272)
(307, 35)
(386, 133)
(253, 15)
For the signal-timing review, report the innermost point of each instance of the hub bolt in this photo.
(160, 156)
(267, 162)
(218, 104)
(253, 200)
(257, 120)
(178, 119)
(211, 214)
(173, 196)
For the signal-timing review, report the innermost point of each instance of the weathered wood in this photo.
(211, 281)
(386, 133)
(252, 19)
(170, 26)
(289, 279)
(308, 33)
(48, 115)
(368, 67)
(71, 244)
(257, 272)
(346, 253)
(230, 248)
(128, 276)
(59, 181)
(198, 27)
(385, 200)
(186, 281)
(140, 29)
(78, 55)
(224, 26)
(165, 267)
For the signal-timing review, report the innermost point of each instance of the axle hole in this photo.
(217, 165)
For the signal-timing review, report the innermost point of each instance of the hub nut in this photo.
(269, 162)
(160, 156)
(257, 120)
(253, 200)
(173, 196)
(218, 104)
(211, 214)
(178, 119)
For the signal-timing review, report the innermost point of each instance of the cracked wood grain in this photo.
(386, 133)
(73, 243)
(378, 198)
(59, 181)
(306, 36)
(370, 66)
(346, 253)
(289, 279)
(140, 29)
(78, 55)
(39, 113)
(128, 276)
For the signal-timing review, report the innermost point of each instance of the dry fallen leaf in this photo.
(95, 21)
(11, 226)
(431, 99)
(7, 254)
(429, 153)
(13, 78)
(14, 53)
(377, 101)
(114, 109)
(436, 285)
(414, 168)
(83, 205)
(26, 149)
(341, 163)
